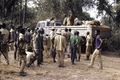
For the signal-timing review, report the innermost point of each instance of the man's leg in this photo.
(23, 64)
(62, 58)
(100, 59)
(68, 49)
(58, 59)
(79, 56)
(39, 58)
(0, 56)
(74, 54)
(15, 50)
(88, 51)
(6, 54)
(93, 57)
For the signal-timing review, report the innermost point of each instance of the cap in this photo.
(59, 31)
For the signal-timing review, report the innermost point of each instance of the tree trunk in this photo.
(4, 9)
(25, 9)
(20, 12)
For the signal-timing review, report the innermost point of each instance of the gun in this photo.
(4, 54)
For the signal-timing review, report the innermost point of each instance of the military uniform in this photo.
(59, 44)
(80, 40)
(28, 39)
(52, 49)
(33, 38)
(22, 54)
(88, 46)
(5, 44)
(12, 39)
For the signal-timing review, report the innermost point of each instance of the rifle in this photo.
(4, 54)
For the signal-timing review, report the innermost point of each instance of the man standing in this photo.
(59, 44)
(22, 54)
(52, 50)
(67, 36)
(80, 41)
(97, 51)
(73, 43)
(12, 38)
(38, 49)
(5, 41)
(88, 46)
(28, 37)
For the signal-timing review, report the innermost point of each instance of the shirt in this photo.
(89, 40)
(73, 40)
(98, 41)
(67, 36)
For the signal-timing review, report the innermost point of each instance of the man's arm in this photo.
(100, 43)
(76, 41)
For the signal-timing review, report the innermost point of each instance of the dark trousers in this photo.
(15, 50)
(73, 53)
(54, 55)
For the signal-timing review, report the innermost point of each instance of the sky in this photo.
(92, 12)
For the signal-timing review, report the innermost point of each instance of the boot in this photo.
(22, 74)
(91, 66)
(68, 56)
(87, 58)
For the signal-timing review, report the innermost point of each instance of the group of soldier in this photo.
(60, 42)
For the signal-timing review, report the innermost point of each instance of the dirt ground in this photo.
(51, 71)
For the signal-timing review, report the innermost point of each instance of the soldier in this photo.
(22, 54)
(5, 41)
(59, 44)
(73, 43)
(41, 36)
(80, 41)
(33, 38)
(12, 38)
(28, 37)
(88, 46)
(97, 51)
(67, 36)
(52, 50)
(38, 48)
(16, 36)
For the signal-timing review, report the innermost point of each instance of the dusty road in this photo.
(51, 71)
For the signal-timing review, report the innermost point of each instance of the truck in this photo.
(83, 29)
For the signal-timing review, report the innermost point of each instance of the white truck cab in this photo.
(45, 25)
